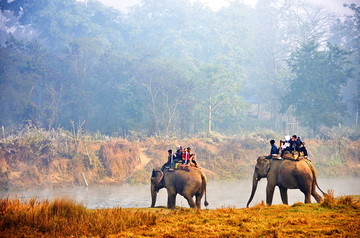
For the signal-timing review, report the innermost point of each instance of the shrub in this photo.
(329, 199)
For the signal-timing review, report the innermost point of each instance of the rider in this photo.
(297, 145)
(179, 151)
(192, 157)
(274, 151)
(186, 156)
(170, 162)
(285, 145)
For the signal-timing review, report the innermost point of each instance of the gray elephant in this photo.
(286, 174)
(187, 183)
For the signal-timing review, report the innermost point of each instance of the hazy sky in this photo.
(333, 5)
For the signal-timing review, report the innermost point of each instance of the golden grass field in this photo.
(338, 217)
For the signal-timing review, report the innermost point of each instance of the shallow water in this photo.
(234, 193)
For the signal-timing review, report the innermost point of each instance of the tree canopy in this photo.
(175, 68)
(314, 90)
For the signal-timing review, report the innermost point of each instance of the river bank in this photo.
(59, 159)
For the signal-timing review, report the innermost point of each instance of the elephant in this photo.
(188, 183)
(286, 174)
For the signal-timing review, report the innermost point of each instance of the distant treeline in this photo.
(172, 67)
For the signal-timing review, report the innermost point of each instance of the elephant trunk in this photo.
(255, 182)
(153, 194)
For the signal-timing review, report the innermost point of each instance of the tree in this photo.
(347, 34)
(314, 90)
(218, 94)
(166, 85)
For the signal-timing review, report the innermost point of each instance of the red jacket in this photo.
(186, 156)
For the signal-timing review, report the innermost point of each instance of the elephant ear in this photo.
(157, 175)
(153, 174)
(267, 166)
(263, 165)
(160, 178)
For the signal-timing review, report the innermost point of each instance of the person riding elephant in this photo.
(286, 174)
(186, 183)
(170, 162)
(297, 145)
(285, 145)
(274, 151)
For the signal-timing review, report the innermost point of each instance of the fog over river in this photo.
(234, 193)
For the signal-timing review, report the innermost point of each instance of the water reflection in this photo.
(234, 193)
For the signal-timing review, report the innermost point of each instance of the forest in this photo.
(91, 95)
(176, 68)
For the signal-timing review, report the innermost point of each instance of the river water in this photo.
(234, 193)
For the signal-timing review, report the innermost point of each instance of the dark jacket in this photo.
(169, 158)
(274, 150)
(295, 145)
(178, 155)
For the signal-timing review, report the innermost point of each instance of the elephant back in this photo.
(295, 157)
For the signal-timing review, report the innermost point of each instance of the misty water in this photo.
(234, 193)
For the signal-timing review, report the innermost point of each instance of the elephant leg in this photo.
(198, 200)
(317, 197)
(190, 200)
(308, 198)
(171, 200)
(284, 196)
(269, 193)
(307, 193)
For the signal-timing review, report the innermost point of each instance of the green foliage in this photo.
(218, 94)
(314, 90)
(168, 68)
(348, 32)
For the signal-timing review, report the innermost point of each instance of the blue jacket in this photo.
(295, 145)
(274, 150)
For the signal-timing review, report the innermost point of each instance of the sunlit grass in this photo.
(344, 201)
(63, 217)
(335, 217)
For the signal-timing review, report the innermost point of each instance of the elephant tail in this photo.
(325, 194)
(203, 178)
(314, 174)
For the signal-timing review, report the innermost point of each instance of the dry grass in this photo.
(65, 218)
(119, 158)
(344, 201)
(31, 161)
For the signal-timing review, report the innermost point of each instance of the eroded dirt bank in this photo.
(41, 160)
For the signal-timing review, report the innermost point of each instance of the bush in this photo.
(329, 200)
(345, 201)
(333, 133)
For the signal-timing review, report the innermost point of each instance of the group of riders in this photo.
(182, 158)
(290, 148)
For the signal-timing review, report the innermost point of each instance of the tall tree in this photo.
(347, 34)
(218, 94)
(166, 87)
(314, 89)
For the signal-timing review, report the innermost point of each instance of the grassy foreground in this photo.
(64, 218)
